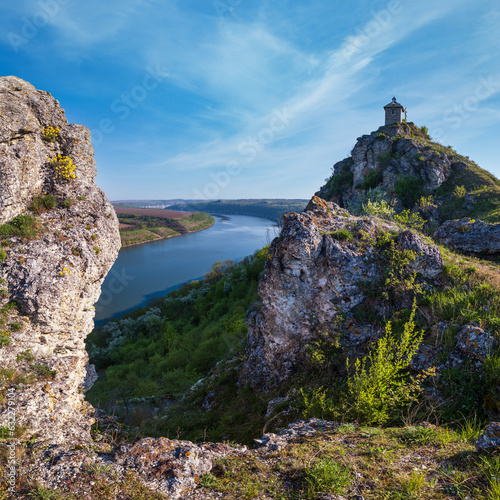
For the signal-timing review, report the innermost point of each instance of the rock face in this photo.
(54, 274)
(312, 283)
(470, 236)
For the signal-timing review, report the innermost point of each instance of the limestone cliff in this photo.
(59, 240)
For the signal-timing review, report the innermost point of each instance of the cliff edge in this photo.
(59, 238)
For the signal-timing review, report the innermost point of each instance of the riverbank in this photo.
(144, 226)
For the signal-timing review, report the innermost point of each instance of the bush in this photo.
(409, 219)
(380, 385)
(327, 476)
(383, 159)
(374, 195)
(68, 202)
(51, 134)
(342, 234)
(409, 189)
(425, 132)
(459, 191)
(379, 209)
(24, 225)
(372, 179)
(40, 204)
(64, 167)
(340, 183)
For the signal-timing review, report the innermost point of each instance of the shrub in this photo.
(68, 202)
(383, 159)
(425, 131)
(372, 179)
(380, 386)
(409, 189)
(50, 134)
(4, 339)
(459, 191)
(342, 234)
(340, 183)
(43, 371)
(374, 195)
(24, 225)
(40, 204)
(64, 167)
(378, 209)
(408, 219)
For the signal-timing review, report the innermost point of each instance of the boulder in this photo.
(490, 439)
(470, 236)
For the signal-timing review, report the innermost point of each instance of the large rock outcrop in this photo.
(470, 236)
(61, 243)
(313, 282)
(392, 151)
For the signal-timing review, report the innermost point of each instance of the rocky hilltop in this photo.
(402, 160)
(58, 240)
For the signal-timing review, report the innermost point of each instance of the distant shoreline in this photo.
(139, 226)
(166, 237)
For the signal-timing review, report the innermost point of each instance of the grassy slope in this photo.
(147, 228)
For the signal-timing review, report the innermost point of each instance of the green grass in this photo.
(25, 225)
(42, 203)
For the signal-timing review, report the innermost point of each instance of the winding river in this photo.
(153, 269)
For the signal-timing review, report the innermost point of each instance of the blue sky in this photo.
(255, 98)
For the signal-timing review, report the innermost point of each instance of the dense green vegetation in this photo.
(137, 229)
(163, 350)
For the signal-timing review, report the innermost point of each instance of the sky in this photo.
(226, 99)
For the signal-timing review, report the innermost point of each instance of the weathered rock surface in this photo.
(312, 278)
(55, 276)
(490, 439)
(470, 236)
(171, 467)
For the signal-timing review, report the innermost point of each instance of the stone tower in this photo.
(393, 112)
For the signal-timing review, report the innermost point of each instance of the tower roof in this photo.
(394, 104)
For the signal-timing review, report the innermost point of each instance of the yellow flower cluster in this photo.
(65, 168)
(50, 133)
(64, 269)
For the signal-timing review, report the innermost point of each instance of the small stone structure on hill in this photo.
(393, 112)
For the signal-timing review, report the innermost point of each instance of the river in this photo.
(150, 270)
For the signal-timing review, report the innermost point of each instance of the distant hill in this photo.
(272, 209)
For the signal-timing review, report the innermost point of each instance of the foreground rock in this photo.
(470, 236)
(312, 284)
(490, 439)
(52, 273)
(163, 466)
